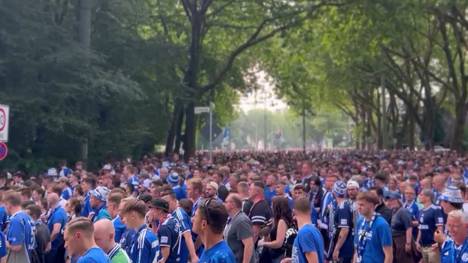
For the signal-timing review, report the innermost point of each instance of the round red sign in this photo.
(3, 151)
(3, 119)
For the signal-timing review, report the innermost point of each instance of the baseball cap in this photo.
(52, 172)
(352, 184)
(159, 203)
(100, 193)
(339, 188)
(452, 194)
(173, 178)
(392, 195)
(214, 185)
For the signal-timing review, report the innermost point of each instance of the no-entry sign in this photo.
(4, 122)
(3, 151)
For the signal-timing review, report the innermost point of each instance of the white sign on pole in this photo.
(199, 110)
(4, 122)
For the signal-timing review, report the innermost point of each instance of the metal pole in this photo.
(384, 113)
(303, 130)
(211, 133)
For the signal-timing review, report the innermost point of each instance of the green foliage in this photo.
(61, 94)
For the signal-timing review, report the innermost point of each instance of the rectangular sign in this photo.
(4, 122)
(199, 110)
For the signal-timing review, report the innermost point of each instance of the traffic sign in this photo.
(199, 110)
(4, 122)
(3, 151)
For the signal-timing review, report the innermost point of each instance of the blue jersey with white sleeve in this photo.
(451, 253)
(430, 218)
(185, 224)
(344, 219)
(126, 240)
(308, 240)
(145, 246)
(67, 193)
(170, 235)
(20, 230)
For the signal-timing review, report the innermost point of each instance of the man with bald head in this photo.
(438, 186)
(56, 222)
(104, 236)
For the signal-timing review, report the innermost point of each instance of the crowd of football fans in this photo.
(327, 206)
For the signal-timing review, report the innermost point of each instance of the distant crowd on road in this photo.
(245, 207)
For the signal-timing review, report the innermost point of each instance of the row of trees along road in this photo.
(89, 79)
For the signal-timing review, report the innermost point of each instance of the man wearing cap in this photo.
(451, 199)
(174, 181)
(56, 223)
(352, 190)
(52, 172)
(455, 249)
(211, 191)
(341, 225)
(402, 231)
(98, 204)
(430, 220)
(170, 238)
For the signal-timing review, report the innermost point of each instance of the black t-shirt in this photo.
(42, 239)
(260, 213)
(385, 212)
(401, 221)
(168, 235)
(223, 192)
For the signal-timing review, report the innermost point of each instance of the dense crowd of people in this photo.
(246, 207)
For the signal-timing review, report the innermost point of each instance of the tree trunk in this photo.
(363, 128)
(178, 130)
(84, 23)
(178, 110)
(368, 128)
(411, 132)
(191, 83)
(84, 39)
(189, 142)
(428, 123)
(459, 127)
